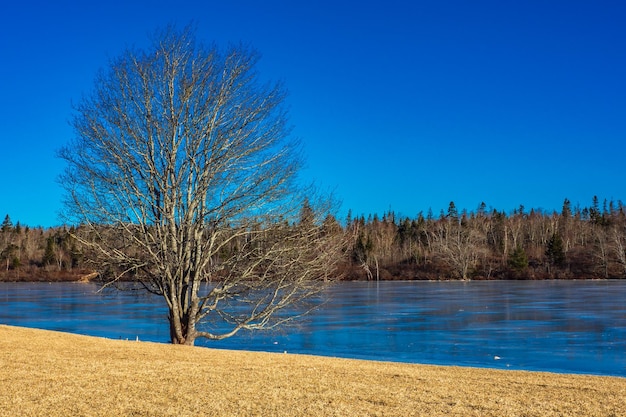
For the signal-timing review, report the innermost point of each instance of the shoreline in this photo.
(56, 278)
(331, 357)
(55, 373)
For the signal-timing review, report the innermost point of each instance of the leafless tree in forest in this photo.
(619, 245)
(459, 247)
(183, 176)
(601, 249)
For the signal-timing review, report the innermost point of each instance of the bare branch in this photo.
(182, 175)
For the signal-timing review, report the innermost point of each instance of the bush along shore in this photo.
(577, 242)
(58, 374)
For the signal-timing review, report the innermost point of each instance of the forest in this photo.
(481, 244)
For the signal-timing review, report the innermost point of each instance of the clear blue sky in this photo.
(402, 105)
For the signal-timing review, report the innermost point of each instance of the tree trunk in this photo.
(180, 331)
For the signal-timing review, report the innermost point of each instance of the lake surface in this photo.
(557, 326)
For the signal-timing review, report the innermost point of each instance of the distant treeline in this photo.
(577, 243)
(38, 254)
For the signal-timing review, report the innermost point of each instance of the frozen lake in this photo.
(557, 326)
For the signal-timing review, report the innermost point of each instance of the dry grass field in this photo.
(44, 373)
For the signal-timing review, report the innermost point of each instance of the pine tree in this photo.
(307, 215)
(7, 224)
(566, 212)
(48, 256)
(594, 211)
(554, 250)
(518, 260)
(453, 213)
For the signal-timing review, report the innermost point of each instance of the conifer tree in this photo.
(7, 224)
(554, 250)
(518, 260)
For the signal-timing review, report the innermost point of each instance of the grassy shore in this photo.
(44, 373)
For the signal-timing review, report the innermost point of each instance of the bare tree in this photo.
(460, 247)
(619, 245)
(182, 176)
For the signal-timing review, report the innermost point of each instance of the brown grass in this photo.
(44, 373)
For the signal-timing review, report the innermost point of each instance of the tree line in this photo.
(37, 253)
(575, 243)
(579, 242)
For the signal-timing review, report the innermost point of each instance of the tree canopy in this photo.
(183, 175)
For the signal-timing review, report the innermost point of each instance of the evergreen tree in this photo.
(594, 211)
(48, 256)
(349, 218)
(307, 215)
(7, 224)
(518, 260)
(362, 249)
(566, 212)
(482, 209)
(554, 250)
(453, 213)
(8, 255)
